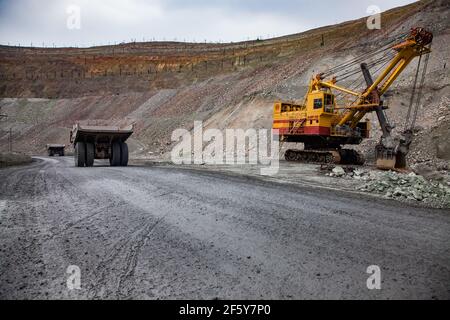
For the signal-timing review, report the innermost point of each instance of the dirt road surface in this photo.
(170, 233)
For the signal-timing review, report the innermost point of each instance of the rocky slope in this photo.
(160, 87)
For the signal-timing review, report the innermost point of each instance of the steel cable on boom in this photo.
(361, 82)
(370, 65)
(366, 55)
(386, 55)
(360, 58)
(350, 64)
(419, 94)
(413, 94)
(383, 62)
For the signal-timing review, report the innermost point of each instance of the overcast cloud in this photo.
(113, 21)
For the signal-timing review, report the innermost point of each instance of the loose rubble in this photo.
(398, 186)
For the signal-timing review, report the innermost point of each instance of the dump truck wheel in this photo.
(80, 154)
(123, 154)
(114, 161)
(90, 154)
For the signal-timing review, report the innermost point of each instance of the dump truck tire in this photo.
(123, 154)
(90, 154)
(114, 161)
(80, 154)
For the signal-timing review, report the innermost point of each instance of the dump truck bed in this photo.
(55, 146)
(56, 149)
(100, 133)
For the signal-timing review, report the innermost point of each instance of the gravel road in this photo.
(173, 233)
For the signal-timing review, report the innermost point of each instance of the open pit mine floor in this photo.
(162, 232)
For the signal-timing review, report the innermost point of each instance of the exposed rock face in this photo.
(160, 87)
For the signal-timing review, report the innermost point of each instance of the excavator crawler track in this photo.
(344, 157)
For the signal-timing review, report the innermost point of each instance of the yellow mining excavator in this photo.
(325, 122)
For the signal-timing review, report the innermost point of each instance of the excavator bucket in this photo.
(395, 164)
(386, 164)
(390, 159)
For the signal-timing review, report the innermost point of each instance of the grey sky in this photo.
(114, 21)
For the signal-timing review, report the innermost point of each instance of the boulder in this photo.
(339, 171)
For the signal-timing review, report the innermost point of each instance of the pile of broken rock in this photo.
(399, 186)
